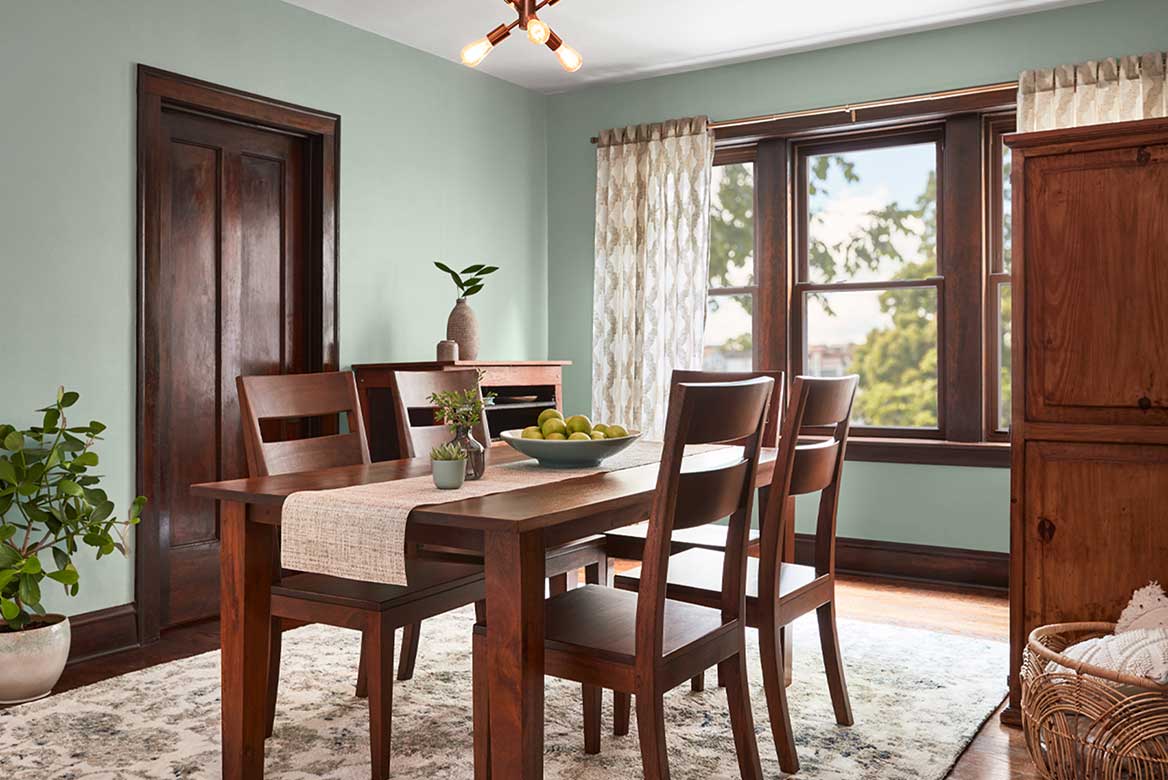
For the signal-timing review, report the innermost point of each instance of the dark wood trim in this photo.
(158, 89)
(874, 115)
(102, 632)
(772, 253)
(929, 452)
(915, 562)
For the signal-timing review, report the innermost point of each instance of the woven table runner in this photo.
(359, 532)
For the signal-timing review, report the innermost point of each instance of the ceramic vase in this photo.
(463, 327)
(448, 474)
(31, 661)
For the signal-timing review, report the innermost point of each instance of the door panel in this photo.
(1095, 517)
(231, 277)
(1097, 272)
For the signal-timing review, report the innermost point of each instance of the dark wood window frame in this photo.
(966, 127)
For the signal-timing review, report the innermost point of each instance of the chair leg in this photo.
(362, 669)
(621, 705)
(380, 676)
(592, 719)
(481, 721)
(275, 645)
(833, 664)
(741, 717)
(770, 645)
(651, 733)
(593, 572)
(721, 679)
(698, 683)
(409, 651)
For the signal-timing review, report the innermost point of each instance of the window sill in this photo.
(929, 452)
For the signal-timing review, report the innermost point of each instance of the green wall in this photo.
(437, 161)
(956, 507)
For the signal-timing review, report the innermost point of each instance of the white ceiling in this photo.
(622, 40)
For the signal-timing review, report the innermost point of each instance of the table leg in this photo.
(246, 556)
(515, 614)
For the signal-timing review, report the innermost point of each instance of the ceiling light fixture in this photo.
(538, 32)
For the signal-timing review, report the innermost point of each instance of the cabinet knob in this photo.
(1145, 403)
(1046, 529)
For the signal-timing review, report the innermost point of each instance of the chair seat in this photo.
(603, 621)
(696, 576)
(426, 577)
(629, 542)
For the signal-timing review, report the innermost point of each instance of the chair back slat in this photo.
(815, 465)
(808, 465)
(702, 413)
(709, 495)
(770, 435)
(320, 398)
(418, 431)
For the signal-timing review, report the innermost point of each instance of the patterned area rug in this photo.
(918, 698)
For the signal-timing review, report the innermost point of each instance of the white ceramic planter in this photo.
(448, 474)
(31, 661)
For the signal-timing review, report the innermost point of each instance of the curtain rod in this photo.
(852, 108)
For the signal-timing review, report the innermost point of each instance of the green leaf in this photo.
(7, 472)
(32, 565)
(69, 488)
(9, 609)
(68, 399)
(30, 590)
(102, 511)
(10, 557)
(471, 291)
(14, 441)
(95, 427)
(6, 576)
(61, 559)
(472, 269)
(490, 269)
(7, 532)
(65, 576)
(86, 459)
(51, 418)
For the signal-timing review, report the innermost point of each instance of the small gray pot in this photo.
(448, 474)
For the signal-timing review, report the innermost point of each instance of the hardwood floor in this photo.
(998, 753)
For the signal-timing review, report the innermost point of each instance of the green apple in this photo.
(532, 432)
(579, 436)
(553, 425)
(600, 427)
(555, 437)
(616, 432)
(578, 423)
(548, 414)
(597, 434)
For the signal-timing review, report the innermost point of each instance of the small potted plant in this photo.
(50, 507)
(448, 463)
(462, 326)
(461, 411)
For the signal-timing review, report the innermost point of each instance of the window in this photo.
(867, 293)
(729, 339)
(874, 241)
(998, 278)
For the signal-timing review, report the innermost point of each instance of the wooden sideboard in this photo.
(1089, 438)
(522, 390)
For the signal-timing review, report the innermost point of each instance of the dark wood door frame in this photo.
(158, 90)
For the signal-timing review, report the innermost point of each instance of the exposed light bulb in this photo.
(537, 31)
(476, 52)
(570, 59)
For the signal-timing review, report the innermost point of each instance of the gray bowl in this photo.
(568, 454)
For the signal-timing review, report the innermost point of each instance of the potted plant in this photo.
(462, 326)
(461, 411)
(448, 464)
(50, 507)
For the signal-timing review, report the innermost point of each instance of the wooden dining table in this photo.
(512, 530)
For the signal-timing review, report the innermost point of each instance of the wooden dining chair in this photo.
(270, 403)
(645, 644)
(776, 592)
(628, 542)
(419, 432)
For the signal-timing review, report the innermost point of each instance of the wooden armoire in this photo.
(1089, 517)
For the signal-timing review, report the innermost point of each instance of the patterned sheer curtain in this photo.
(652, 264)
(1089, 93)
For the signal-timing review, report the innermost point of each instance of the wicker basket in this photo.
(1087, 723)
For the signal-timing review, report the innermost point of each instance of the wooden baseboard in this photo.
(103, 631)
(919, 562)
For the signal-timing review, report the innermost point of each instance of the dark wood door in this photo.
(231, 281)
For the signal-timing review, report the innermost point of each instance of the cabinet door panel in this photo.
(1096, 274)
(1096, 528)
